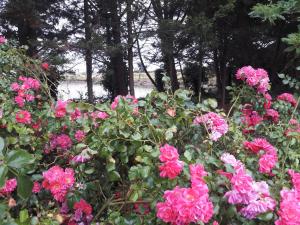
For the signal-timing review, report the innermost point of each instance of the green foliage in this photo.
(292, 82)
(120, 178)
(277, 11)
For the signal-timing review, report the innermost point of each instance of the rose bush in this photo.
(162, 159)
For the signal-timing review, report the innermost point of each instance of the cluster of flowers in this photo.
(99, 115)
(82, 215)
(60, 111)
(187, 205)
(58, 181)
(60, 142)
(171, 166)
(216, 124)
(250, 118)
(25, 90)
(130, 99)
(268, 160)
(272, 115)
(287, 97)
(25, 93)
(254, 197)
(257, 78)
(79, 135)
(289, 212)
(9, 186)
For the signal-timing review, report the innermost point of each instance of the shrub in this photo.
(160, 160)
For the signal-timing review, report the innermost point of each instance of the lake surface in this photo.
(69, 89)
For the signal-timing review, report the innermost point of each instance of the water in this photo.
(69, 89)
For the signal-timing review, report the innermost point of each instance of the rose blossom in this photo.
(287, 97)
(23, 116)
(15, 86)
(216, 125)
(253, 197)
(171, 169)
(187, 205)
(2, 40)
(76, 114)
(257, 78)
(58, 181)
(289, 212)
(272, 114)
(269, 159)
(36, 187)
(61, 141)
(20, 101)
(79, 135)
(60, 109)
(9, 186)
(45, 66)
(168, 153)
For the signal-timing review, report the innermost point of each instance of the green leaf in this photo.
(169, 135)
(24, 186)
(212, 103)
(89, 171)
(24, 215)
(114, 176)
(136, 137)
(266, 217)
(145, 171)
(134, 196)
(34, 221)
(18, 159)
(2, 145)
(188, 155)
(3, 172)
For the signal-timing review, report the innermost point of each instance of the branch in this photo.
(143, 64)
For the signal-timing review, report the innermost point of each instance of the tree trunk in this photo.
(167, 47)
(120, 80)
(88, 52)
(130, 47)
(27, 36)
